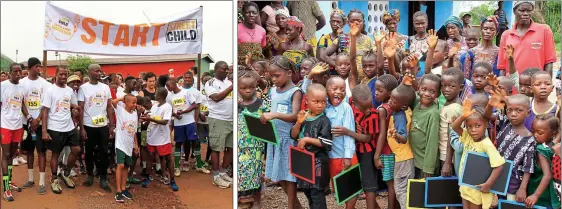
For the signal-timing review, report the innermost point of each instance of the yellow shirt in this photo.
(447, 113)
(401, 152)
(486, 146)
(364, 44)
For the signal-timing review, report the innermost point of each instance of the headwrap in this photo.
(339, 13)
(282, 12)
(517, 3)
(492, 19)
(454, 20)
(393, 14)
(294, 21)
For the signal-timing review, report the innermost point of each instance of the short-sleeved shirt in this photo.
(307, 12)
(255, 35)
(95, 98)
(159, 134)
(58, 100)
(366, 124)
(221, 110)
(535, 49)
(204, 106)
(520, 150)
(325, 41)
(34, 91)
(400, 121)
(125, 129)
(484, 146)
(447, 113)
(319, 128)
(181, 101)
(12, 101)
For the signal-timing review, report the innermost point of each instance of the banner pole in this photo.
(199, 72)
(44, 64)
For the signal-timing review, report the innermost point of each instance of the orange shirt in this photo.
(535, 49)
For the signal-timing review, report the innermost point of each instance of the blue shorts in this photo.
(189, 132)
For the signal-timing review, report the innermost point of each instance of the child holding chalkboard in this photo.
(541, 187)
(515, 142)
(474, 139)
(285, 105)
(250, 150)
(313, 133)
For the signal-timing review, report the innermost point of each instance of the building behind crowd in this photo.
(135, 65)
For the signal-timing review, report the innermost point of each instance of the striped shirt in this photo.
(366, 124)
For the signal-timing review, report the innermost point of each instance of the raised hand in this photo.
(248, 58)
(455, 49)
(412, 61)
(301, 117)
(509, 51)
(390, 46)
(380, 36)
(467, 108)
(319, 68)
(355, 29)
(496, 98)
(492, 79)
(432, 38)
(408, 79)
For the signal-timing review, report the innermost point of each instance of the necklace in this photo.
(251, 34)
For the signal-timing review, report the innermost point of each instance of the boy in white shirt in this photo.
(11, 125)
(158, 138)
(58, 129)
(125, 142)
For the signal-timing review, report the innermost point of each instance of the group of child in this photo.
(398, 126)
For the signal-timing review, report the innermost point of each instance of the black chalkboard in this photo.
(301, 164)
(442, 192)
(506, 204)
(264, 132)
(416, 193)
(348, 184)
(477, 170)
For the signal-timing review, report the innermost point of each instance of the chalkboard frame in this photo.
(408, 192)
(248, 114)
(517, 203)
(426, 192)
(313, 180)
(356, 166)
(503, 193)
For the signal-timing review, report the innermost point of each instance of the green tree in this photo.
(79, 62)
(482, 11)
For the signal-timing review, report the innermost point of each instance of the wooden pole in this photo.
(44, 64)
(199, 72)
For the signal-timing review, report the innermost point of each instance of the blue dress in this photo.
(277, 158)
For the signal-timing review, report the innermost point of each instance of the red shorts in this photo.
(162, 150)
(11, 136)
(336, 165)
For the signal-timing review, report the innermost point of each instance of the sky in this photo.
(23, 23)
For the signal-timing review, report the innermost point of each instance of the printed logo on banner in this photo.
(182, 31)
(62, 27)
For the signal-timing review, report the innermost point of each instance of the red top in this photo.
(366, 124)
(556, 168)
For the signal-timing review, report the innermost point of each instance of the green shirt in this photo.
(548, 197)
(424, 137)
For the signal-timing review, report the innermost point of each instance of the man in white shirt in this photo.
(58, 128)
(130, 83)
(96, 124)
(194, 71)
(35, 87)
(219, 90)
(11, 125)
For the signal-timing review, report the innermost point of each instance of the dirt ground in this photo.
(196, 189)
(274, 197)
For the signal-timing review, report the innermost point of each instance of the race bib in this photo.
(229, 95)
(281, 108)
(178, 102)
(203, 108)
(99, 120)
(157, 117)
(33, 104)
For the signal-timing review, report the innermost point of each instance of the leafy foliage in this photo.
(79, 62)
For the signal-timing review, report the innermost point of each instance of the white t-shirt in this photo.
(95, 98)
(159, 134)
(182, 101)
(58, 100)
(125, 129)
(12, 101)
(221, 110)
(204, 106)
(120, 94)
(34, 91)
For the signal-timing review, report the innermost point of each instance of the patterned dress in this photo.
(479, 54)
(250, 41)
(520, 150)
(273, 41)
(250, 152)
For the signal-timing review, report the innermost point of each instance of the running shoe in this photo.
(82, 169)
(127, 195)
(21, 160)
(133, 180)
(28, 184)
(119, 198)
(42, 190)
(174, 186)
(15, 163)
(203, 170)
(184, 168)
(14, 187)
(8, 196)
(73, 173)
(221, 183)
(66, 179)
(146, 182)
(177, 172)
(55, 186)
(226, 178)
(165, 180)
